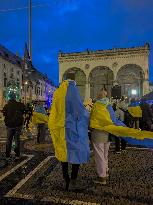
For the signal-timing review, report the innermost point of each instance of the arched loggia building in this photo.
(119, 64)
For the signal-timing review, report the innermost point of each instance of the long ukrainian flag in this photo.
(68, 124)
(103, 118)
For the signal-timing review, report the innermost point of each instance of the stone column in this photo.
(60, 77)
(145, 86)
(87, 90)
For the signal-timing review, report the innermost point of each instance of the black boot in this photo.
(73, 186)
(66, 183)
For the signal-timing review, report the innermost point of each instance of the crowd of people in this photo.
(134, 113)
(75, 127)
(17, 118)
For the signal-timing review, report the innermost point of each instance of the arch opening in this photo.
(79, 76)
(100, 77)
(130, 78)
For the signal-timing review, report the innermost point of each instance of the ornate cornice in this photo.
(114, 53)
(98, 57)
(110, 52)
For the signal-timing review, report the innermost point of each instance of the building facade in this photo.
(92, 70)
(150, 87)
(37, 87)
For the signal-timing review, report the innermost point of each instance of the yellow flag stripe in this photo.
(39, 118)
(135, 111)
(100, 119)
(56, 122)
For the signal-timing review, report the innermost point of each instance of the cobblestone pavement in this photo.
(26, 135)
(37, 179)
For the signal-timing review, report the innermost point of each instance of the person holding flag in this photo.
(103, 122)
(40, 118)
(135, 111)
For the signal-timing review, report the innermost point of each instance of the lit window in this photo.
(5, 82)
(133, 92)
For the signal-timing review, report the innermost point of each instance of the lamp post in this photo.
(30, 29)
(25, 92)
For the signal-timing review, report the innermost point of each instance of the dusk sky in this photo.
(75, 25)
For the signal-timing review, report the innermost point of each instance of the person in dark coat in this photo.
(13, 113)
(147, 116)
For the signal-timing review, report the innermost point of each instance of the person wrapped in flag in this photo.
(40, 119)
(68, 124)
(102, 122)
(136, 112)
(100, 141)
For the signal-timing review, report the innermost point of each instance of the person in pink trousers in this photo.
(100, 143)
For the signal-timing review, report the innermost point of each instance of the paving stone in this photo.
(130, 181)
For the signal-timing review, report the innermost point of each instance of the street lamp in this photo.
(30, 28)
(25, 91)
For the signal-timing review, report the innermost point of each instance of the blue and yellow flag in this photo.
(103, 118)
(135, 110)
(39, 115)
(68, 124)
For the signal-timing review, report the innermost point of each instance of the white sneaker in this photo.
(101, 181)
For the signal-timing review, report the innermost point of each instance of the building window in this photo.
(18, 84)
(19, 63)
(38, 91)
(12, 70)
(6, 55)
(5, 82)
(41, 92)
(11, 75)
(18, 72)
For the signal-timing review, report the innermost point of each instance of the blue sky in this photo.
(75, 25)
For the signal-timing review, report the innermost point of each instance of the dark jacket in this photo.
(13, 112)
(146, 112)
